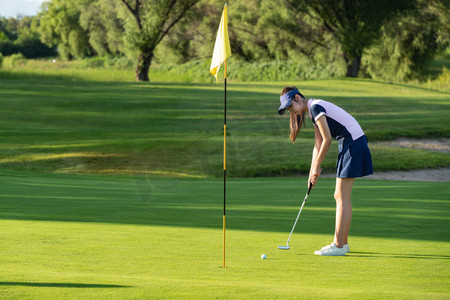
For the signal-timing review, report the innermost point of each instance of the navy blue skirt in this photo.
(354, 159)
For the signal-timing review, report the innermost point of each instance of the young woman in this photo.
(354, 159)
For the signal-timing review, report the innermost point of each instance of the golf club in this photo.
(293, 227)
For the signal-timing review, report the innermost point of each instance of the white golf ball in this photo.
(263, 256)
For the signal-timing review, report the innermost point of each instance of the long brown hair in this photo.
(296, 120)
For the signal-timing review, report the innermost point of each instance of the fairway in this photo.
(124, 237)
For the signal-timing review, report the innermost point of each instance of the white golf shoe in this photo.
(332, 250)
(346, 247)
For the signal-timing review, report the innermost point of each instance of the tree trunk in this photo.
(143, 66)
(353, 66)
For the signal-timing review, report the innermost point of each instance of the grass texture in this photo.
(53, 124)
(69, 234)
(96, 237)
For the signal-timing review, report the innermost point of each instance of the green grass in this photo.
(55, 125)
(93, 69)
(106, 237)
(140, 236)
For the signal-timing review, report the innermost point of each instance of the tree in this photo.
(9, 27)
(100, 19)
(28, 41)
(294, 35)
(354, 24)
(21, 36)
(248, 34)
(59, 25)
(407, 44)
(151, 21)
(193, 37)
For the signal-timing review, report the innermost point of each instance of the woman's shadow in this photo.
(398, 255)
(62, 285)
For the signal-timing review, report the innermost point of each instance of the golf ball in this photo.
(263, 256)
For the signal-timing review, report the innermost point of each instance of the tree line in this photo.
(22, 36)
(381, 38)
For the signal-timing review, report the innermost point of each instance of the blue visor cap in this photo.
(286, 100)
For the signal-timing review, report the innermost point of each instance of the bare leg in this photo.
(342, 195)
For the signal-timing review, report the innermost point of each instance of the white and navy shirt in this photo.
(341, 123)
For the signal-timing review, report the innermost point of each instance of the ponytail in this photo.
(296, 120)
(296, 124)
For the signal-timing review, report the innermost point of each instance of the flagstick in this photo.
(222, 51)
(224, 159)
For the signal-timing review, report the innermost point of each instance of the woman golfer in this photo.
(354, 159)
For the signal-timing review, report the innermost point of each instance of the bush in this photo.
(113, 62)
(123, 63)
(30, 48)
(94, 62)
(442, 83)
(14, 61)
(239, 70)
(1, 60)
(8, 47)
(34, 48)
(286, 70)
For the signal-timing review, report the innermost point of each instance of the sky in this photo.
(12, 8)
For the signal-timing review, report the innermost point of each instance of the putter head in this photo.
(284, 247)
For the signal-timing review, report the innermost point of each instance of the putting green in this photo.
(123, 237)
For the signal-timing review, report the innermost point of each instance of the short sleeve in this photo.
(317, 111)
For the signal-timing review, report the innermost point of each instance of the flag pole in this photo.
(221, 53)
(224, 158)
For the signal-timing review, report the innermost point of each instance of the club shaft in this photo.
(300, 211)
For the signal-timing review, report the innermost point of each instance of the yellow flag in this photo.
(222, 48)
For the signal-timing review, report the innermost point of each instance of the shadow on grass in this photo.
(398, 255)
(62, 285)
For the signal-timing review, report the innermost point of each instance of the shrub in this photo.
(110, 62)
(14, 61)
(239, 70)
(122, 63)
(94, 62)
(442, 83)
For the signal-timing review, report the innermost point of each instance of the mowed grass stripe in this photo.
(176, 129)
